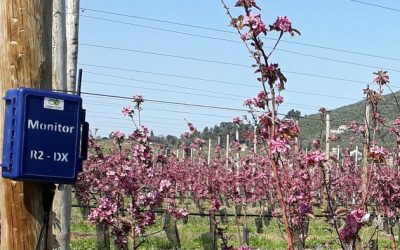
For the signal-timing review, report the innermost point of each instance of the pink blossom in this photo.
(280, 86)
(255, 23)
(282, 24)
(378, 152)
(104, 213)
(127, 111)
(276, 213)
(349, 232)
(396, 122)
(186, 135)
(138, 99)
(315, 157)
(361, 129)
(378, 117)
(118, 136)
(248, 3)
(245, 247)
(333, 138)
(248, 102)
(236, 120)
(200, 142)
(279, 99)
(279, 145)
(246, 36)
(260, 100)
(192, 128)
(164, 184)
(352, 126)
(316, 143)
(272, 73)
(381, 77)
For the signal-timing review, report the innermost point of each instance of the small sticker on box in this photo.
(53, 103)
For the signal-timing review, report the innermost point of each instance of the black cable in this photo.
(215, 92)
(225, 82)
(375, 5)
(229, 31)
(47, 202)
(228, 63)
(239, 42)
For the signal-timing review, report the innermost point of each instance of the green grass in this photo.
(84, 234)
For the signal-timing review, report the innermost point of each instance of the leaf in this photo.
(296, 31)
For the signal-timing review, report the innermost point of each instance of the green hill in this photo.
(312, 125)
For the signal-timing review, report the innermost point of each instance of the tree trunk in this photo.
(25, 61)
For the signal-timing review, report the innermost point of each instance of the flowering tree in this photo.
(277, 135)
(129, 183)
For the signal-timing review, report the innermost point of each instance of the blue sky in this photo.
(146, 30)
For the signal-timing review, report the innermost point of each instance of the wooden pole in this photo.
(237, 139)
(59, 46)
(364, 163)
(327, 155)
(255, 140)
(227, 150)
(62, 198)
(72, 42)
(356, 156)
(327, 134)
(209, 152)
(25, 61)
(297, 145)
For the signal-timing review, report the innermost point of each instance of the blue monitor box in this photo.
(45, 136)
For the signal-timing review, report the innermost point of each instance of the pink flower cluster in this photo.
(118, 137)
(248, 3)
(127, 111)
(349, 232)
(236, 120)
(381, 77)
(282, 24)
(378, 153)
(256, 26)
(279, 145)
(104, 213)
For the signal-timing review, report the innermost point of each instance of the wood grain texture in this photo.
(25, 61)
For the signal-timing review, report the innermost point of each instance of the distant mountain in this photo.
(311, 125)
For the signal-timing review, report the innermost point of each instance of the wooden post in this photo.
(72, 42)
(356, 156)
(327, 155)
(338, 153)
(327, 134)
(209, 152)
(364, 163)
(227, 150)
(62, 198)
(25, 61)
(59, 46)
(237, 139)
(255, 140)
(296, 141)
